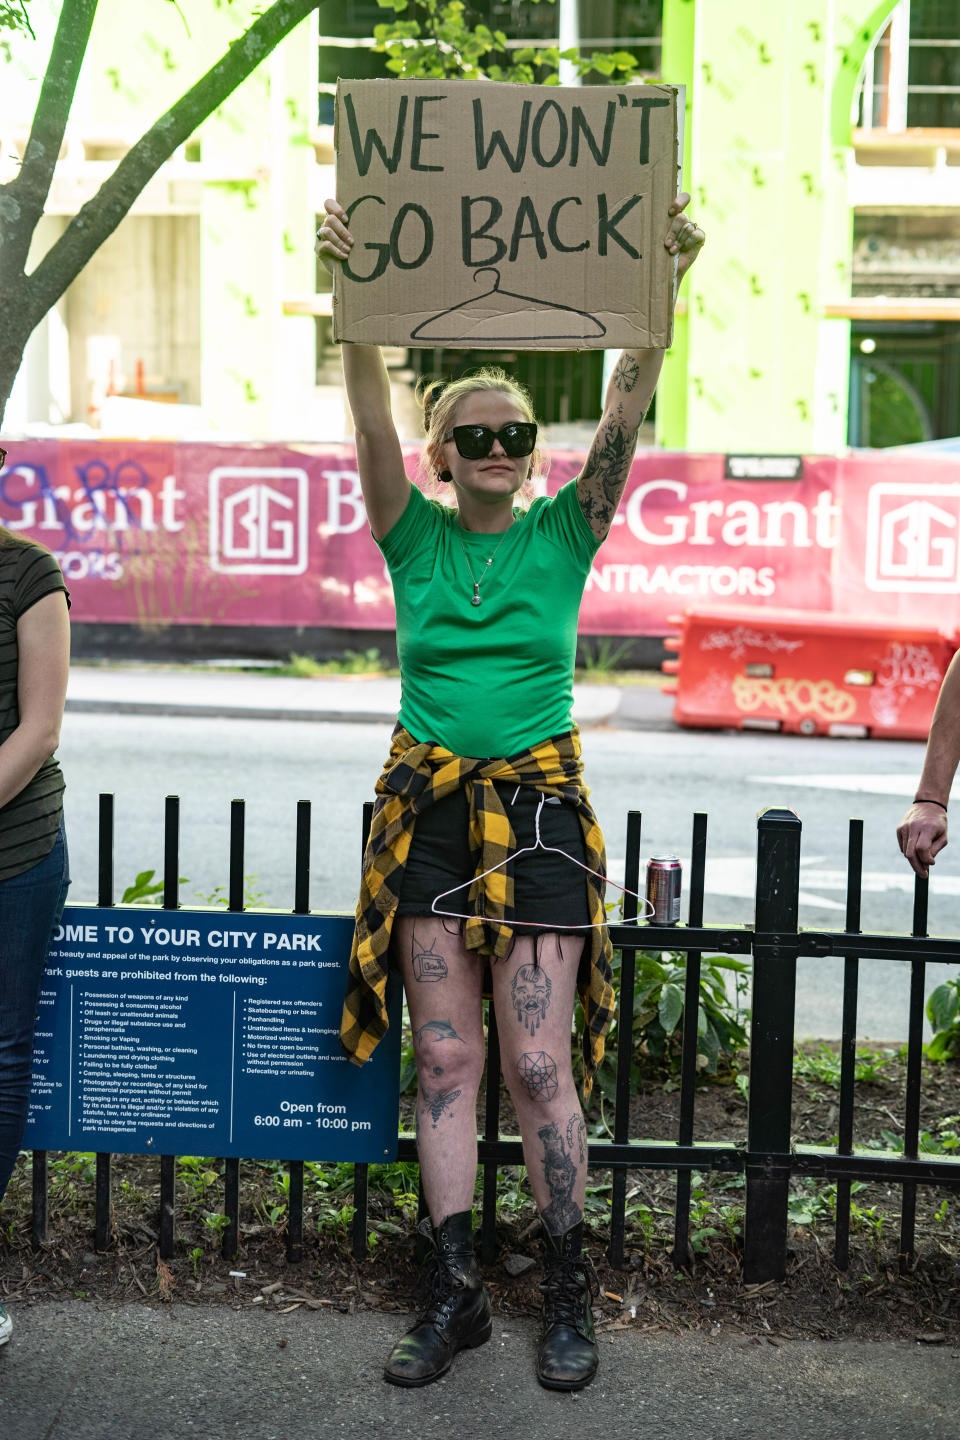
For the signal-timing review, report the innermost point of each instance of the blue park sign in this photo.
(193, 1032)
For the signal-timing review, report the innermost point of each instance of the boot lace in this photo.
(568, 1287)
(442, 1292)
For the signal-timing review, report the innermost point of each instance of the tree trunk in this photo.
(15, 331)
(26, 299)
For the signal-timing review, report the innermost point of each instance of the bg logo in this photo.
(258, 521)
(913, 538)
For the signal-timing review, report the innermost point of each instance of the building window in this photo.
(912, 75)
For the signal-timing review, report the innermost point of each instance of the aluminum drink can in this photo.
(663, 889)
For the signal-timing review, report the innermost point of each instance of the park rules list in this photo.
(487, 215)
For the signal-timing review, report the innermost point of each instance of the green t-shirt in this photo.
(492, 679)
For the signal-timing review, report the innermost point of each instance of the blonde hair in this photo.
(439, 402)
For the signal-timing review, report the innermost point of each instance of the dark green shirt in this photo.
(30, 821)
(490, 679)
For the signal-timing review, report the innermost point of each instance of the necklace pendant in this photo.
(475, 597)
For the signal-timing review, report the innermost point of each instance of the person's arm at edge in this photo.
(922, 833)
(383, 480)
(601, 483)
(43, 644)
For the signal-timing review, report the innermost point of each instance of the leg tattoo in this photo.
(438, 1101)
(530, 992)
(428, 966)
(561, 1176)
(538, 1073)
(437, 1030)
(575, 1136)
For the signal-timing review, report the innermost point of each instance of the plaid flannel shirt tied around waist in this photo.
(416, 776)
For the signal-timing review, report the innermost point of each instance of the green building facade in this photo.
(208, 295)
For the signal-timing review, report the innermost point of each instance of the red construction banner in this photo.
(263, 534)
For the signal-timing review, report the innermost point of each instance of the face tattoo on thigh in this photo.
(428, 966)
(530, 992)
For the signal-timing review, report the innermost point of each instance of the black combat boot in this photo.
(457, 1314)
(568, 1357)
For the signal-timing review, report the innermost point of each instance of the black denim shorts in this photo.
(550, 891)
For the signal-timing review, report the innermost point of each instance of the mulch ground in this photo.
(874, 1298)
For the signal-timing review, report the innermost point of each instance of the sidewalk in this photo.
(176, 690)
(75, 1371)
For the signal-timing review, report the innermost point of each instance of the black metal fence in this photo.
(767, 1161)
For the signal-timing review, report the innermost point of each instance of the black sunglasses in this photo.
(475, 442)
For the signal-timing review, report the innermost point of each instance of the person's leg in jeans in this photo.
(30, 908)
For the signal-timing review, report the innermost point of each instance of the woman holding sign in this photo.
(34, 659)
(497, 858)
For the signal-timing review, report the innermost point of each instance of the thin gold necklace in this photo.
(475, 597)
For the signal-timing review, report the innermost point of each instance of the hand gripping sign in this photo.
(489, 215)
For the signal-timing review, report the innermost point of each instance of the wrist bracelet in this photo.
(919, 800)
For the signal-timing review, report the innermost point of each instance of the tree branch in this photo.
(23, 199)
(101, 215)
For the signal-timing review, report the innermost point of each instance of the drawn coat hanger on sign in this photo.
(502, 315)
(646, 913)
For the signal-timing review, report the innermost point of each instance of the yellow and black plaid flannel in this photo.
(414, 777)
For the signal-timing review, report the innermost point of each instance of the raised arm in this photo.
(922, 833)
(602, 480)
(385, 486)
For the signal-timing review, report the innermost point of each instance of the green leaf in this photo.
(727, 962)
(671, 1007)
(944, 1005)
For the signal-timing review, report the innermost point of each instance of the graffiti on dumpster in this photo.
(793, 699)
(905, 670)
(741, 638)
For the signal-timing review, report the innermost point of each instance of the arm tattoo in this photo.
(627, 373)
(560, 1174)
(437, 1102)
(605, 473)
(530, 992)
(538, 1075)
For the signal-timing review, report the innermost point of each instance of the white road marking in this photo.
(735, 876)
(860, 784)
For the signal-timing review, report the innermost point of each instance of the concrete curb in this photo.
(326, 700)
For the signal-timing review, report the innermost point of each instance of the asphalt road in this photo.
(77, 1371)
(665, 773)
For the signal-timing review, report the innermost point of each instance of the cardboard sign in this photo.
(490, 215)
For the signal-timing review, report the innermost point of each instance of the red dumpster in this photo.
(806, 672)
